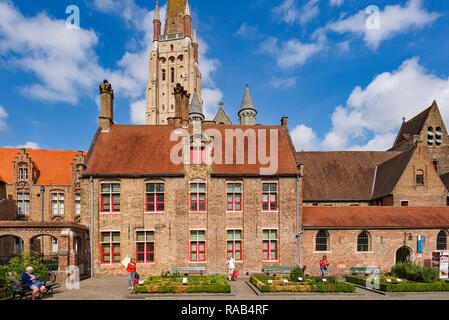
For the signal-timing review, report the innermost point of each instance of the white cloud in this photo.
(394, 19)
(3, 116)
(211, 99)
(283, 83)
(289, 13)
(27, 145)
(291, 53)
(246, 31)
(138, 111)
(304, 138)
(207, 65)
(336, 3)
(372, 115)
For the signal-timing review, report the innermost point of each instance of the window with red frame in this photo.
(404, 203)
(197, 155)
(110, 247)
(435, 164)
(155, 197)
(197, 245)
(145, 246)
(234, 247)
(269, 196)
(234, 196)
(420, 179)
(110, 197)
(197, 197)
(270, 244)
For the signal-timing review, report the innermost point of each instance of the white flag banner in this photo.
(126, 261)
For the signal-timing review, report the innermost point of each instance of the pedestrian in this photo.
(131, 269)
(324, 264)
(231, 267)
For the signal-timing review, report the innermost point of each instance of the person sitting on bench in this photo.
(33, 283)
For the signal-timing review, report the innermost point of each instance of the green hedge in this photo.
(404, 287)
(413, 272)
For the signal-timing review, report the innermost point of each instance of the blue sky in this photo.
(343, 86)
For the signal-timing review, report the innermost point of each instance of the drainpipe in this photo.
(91, 227)
(298, 218)
(42, 203)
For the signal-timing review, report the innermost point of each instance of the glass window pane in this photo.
(273, 234)
(116, 258)
(150, 257)
(230, 235)
(266, 234)
(194, 246)
(116, 187)
(61, 208)
(116, 198)
(265, 245)
(230, 246)
(116, 208)
(27, 196)
(54, 196)
(141, 247)
(202, 235)
(140, 236)
(20, 196)
(116, 248)
(77, 197)
(265, 197)
(230, 206)
(107, 258)
(54, 208)
(160, 187)
(201, 256)
(238, 187)
(150, 247)
(140, 257)
(238, 207)
(194, 256)
(201, 246)
(265, 255)
(160, 198)
(202, 187)
(273, 187)
(105, 188)
(272, 245)
(106, 199)
(150, 236)
(150, 198)
(230, 187)
(116, 237)
(106, 208)
(238, 256)
(237, 197)
(61, 196)
(265, 187)
(193, 235)
(273, 255)
(194, 187)
(160, 207)
(193, 197)
(106, 248)
(238, 234)
(150, 187)
(105, 237)
(238, 245)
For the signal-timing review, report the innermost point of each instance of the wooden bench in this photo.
(365, 270)
(189, 270)
(22, 290)
(276, 270)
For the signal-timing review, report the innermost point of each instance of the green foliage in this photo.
(413, 272)
(404, 286)
(295, 274)
(18, 264)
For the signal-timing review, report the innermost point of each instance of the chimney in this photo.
(106, 119)
(171, 122)
(284, 121)
(182, 99)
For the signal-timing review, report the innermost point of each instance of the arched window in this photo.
(430, 136)
(322, 241)
(363, 242)
(442, 240)
(171, 48)
(163, 74)
(172, 74)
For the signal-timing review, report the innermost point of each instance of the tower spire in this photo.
(174, 21)
(156, 23)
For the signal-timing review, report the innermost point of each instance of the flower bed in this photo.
(401, 286)
(308, 285)
(174, 284)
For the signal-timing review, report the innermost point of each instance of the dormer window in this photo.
(23, 174)
(419, 178)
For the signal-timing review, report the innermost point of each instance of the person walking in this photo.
(131, 269)
(324, 264)
(231, 267)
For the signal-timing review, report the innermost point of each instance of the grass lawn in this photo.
(394, 284)
(308, 285)
(174, 284)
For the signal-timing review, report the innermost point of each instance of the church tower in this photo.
(173, 60)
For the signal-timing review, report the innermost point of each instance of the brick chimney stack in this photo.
(182, 99)
(106, 119)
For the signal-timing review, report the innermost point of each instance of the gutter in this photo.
(375, 228)
(134, 175)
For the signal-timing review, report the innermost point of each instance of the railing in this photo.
(172, 36)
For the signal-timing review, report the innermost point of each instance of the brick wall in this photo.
(383, 246)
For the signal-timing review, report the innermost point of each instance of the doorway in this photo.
(403, 254)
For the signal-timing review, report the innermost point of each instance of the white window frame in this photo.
(77, 204)
(59, 201)
(269, 244)
(23, 203)
(23, 174)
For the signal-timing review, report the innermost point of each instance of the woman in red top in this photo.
(324, 264)
(131, 269)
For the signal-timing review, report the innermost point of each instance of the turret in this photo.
(187, 21)
(195, 44)
(247, 113)
(156, 24)
(106, 119)
(196, 111)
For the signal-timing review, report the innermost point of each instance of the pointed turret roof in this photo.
(195, 107)
(194, 38)
(156, 12)
(187, 11)
(247, 102)
(222, 116)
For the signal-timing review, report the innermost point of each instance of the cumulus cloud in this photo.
(304, 138)
(336, 3)
(394, 19)
(247, 31)
(3, 116)
(27, 145)
(283, 83)
(291, 53)
(211, 99)
(288, 12)
(138, 111)
(372, 116)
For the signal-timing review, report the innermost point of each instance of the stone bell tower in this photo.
(173, 60)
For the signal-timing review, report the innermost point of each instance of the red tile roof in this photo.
(145, 150)
(54, 165)
(375, 217)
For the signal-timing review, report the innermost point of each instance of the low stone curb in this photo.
(369, 289)
(171, 295)
(257, 291)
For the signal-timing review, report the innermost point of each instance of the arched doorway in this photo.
(9, 246)
(403, 254)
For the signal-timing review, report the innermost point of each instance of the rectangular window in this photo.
(110, 247)
(198, 155)
(197, 197)
(234, 245)
(404, 203)
(110, 197)
(57, 204)
(234, 197)
(155, 197)
(269, 197)
(77, 204)
(23, 174)
(270, 245)
(145, 246)
(78, 176)
(23, 203)
(197, 245)
(419, 179)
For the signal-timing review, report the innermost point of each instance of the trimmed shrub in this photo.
(413, 272)
(295, 274)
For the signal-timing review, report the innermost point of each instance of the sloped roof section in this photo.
(341, 175)
(389, 173)
(413, 127)
(372, 217)
(54, 165)
(222, 117)
(444, 178)
(145, 150)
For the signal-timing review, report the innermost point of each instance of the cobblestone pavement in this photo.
(116, 288)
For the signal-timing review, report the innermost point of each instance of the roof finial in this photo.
(221, 103)
(403, 119)
(156, 12)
